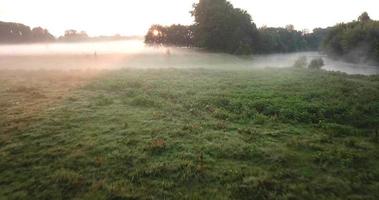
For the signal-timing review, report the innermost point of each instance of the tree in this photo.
(364, 17)
(72, 35)
(221, 27)
(41, 35)
(20, 33)
(314, 39)
(357, 41)
(282, 40)
(290, 27)
(177, 35)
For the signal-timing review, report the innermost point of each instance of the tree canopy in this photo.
(72, 35)
(177, 35)
(357, 41)
(221, 27)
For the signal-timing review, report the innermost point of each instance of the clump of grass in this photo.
(259, 188)
(192, 127)
(144, 101)
(221, 114)
(103, 100)
(157, 145)
(68, 178)
(338, 130)
(260, 119)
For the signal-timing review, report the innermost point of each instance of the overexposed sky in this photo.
(134, 17)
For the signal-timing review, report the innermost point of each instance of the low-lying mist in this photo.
(134, 54)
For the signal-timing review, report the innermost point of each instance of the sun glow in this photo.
(155, 33)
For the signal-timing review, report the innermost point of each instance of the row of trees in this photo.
(221, 27)
(357, 41)
(273, 40)
(19, 33)
(74, 36)
(177, 35)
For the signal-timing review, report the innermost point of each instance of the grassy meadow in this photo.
(188, 134)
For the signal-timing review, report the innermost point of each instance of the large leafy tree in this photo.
(221, 27)
(364, 17)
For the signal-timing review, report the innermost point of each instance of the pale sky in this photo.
(134, 17)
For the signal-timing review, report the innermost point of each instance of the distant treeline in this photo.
(19, 33)
(81, 36)
(221, 27)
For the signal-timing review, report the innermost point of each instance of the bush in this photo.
(317, 63)
(301, 62)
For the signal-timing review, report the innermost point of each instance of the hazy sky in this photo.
(133, 17)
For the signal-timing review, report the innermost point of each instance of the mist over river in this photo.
(134, 54)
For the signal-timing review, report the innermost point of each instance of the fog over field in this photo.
(189, 99)
(134, 54)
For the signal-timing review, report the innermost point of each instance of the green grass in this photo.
(191, 134)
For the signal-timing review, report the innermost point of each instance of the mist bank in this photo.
(134, 54)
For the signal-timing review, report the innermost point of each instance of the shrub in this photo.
(317, 63)
(301, 62)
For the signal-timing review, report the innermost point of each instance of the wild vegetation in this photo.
(189, 134)
(357, 41)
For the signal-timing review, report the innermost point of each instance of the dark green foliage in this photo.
(281, 40)
(221, 27)
(177, 35)
(356, 41)
(317, 63)
(315, 39)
